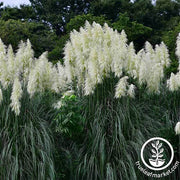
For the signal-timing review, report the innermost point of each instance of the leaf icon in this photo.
(161, 150)
(157, 142)
(160, 145)
(153, 145)
(161, 155)
(157, 154)
(153, 151)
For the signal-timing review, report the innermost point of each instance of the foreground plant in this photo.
(26, 144)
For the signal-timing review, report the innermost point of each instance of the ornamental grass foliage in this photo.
(26, 144)
(104, 74)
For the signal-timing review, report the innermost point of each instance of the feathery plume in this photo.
(121, 87)
(177, 128)
(16, 96)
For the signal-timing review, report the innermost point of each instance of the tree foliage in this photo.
(23, 13)
(79, 21)
(57, 13)
(13, 31)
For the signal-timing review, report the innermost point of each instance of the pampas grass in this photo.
(26, 145)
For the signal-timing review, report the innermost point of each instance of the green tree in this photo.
(166, 9)
(79, 21)
(154, 15)
(23, 13)
(57, 13)
(110, 8)
(142, 11)
(13, 31)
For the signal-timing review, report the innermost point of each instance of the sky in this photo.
(14, 2)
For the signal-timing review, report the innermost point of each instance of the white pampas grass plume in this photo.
(43, 76)
(62, 78)
(165, 60)
(177, 128)
(12, 71)
(92, 54)
(89, 86)
(174, 82)
(148, 48)
(2, 49)
(16, 96)
(24, 59)
(121, 87)
(1, 96)
(178, 46)
(131, 91)
(3, 65)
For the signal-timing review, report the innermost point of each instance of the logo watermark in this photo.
(155, 156)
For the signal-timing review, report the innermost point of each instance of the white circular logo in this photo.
(156, 153)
